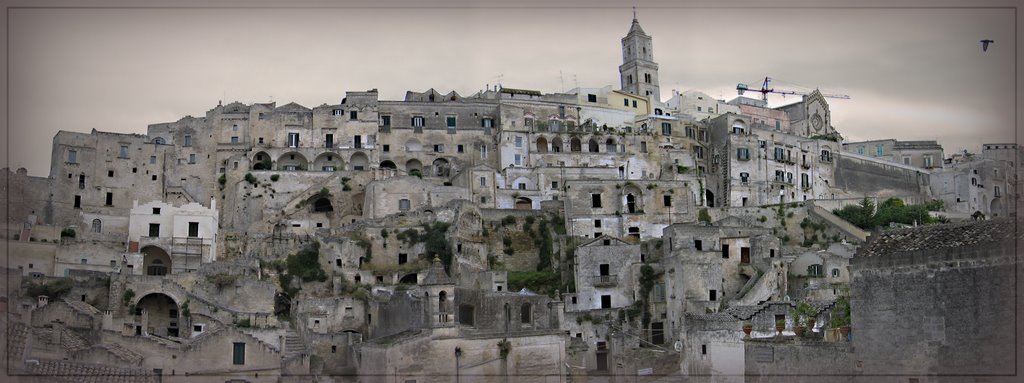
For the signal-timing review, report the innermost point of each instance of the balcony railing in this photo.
(605, 280)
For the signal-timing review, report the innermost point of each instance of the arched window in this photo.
(158, 140)
(97, 226)
(526, 314)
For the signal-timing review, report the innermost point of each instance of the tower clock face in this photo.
(816, 121)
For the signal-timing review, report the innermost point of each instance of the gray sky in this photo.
(911, 73)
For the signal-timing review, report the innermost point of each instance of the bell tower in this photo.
(638, 73)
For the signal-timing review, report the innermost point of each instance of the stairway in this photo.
(293, 344)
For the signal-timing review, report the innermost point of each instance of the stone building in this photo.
(166, 239)
(606, 271)
(922, 154)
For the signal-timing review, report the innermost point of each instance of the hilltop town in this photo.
(511, 235)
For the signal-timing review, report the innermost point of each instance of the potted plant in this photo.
(780, 325)
(798, 325)
(747, 328)
(804, 310)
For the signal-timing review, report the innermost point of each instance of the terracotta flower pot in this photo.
(747, 329)
(810, 324)
(799, 330)
(779, 329)
(845, 330)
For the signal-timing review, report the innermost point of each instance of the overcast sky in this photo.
(911, 73)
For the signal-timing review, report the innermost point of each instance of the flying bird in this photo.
(985, 43)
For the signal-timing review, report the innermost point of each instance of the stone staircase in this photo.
(293, 344)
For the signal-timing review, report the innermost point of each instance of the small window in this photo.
(238, 353)
(193, 229)
(666, 200)
(73, 156)
(417, 121)
(597, 223)
(352, 115)
(110, 199)
(188, 140)
(403, 204)
(460, 148)
(154, 230)
(835, 273)
(234, 139)
(713, 295)
(386, 148)
(595, 200)
(450, 122)
(591, 98)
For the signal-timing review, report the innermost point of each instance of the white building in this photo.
(163, 238)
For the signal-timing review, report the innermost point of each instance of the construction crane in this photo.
(740, 88)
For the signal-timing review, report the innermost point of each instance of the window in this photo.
(526, 314)
(805, 180)
(996, 192)
(737, 130)
(110, 173)
(110, 199)
(403, 258)
(625, 102)
(606, 301)
(725, 251)
(666, 200)
(713, 295)
(778, 125)
(293, 140)
(699, 109)
(450, 122)
(385, 121)
(928, 162)
(83, 261)
(483, 151)
(357, 142)
(385, 148)
(261, 140)
(73, 156)
(336, 112)
(439, 148)
(460, 148)
(97, 226)
(742, 154)
(591, 98)
(860, 150)
(519, 141)
(780, 154)
(403, 204)
(789, 178)
(154, 230)
(878, 150)
(826, 156)
(156, 211)
(187, 141)
(666, 129)
(192, 158)
(417, 121)
(835, 273)
(744, 177)
(597, 223)
(487, 122)
(780, 176)
(815, 270)
(595, 200)
(193, 229)
(124, 151)
(329, 140)
(352, 115)
(152, 159)
(643, 146)
(906, 160)
(699, 150)
(690, 132)
(518, 160)
(238, 353)
(634, 103)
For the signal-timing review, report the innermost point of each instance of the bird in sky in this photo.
(985, 43)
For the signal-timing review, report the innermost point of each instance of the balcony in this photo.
(605, 280)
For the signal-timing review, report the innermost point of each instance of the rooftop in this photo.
(936, 237)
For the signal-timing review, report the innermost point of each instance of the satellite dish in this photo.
(678, 346)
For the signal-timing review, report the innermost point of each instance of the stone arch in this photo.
(542, 144)
(610, 146)
(388, 164)
(593, 146)
(163, 315)
(556, 145)
(292, 161)
(155, 261)
(632, 199)
(523, 203)
(328, 162)
(575, 146)
(158, 140)
(408, 279)
(441, 168)
(467, 313)
(413, 145)
(322, 205)
(359, 161)
(262, 161)
(412, 165)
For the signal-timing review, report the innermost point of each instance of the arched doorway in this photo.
(322, 205)
(292, 161)
(387, 164)
(575, 146)
(610, 145)
(359, 161)
(523, 203)
(542, 144)
(163, 315)
(262, 161)
(328, 162)
(408, 279)
(556, 145)
(155, 261)
(413, 166)
(441, 167)
(592, 146)
(710, 197)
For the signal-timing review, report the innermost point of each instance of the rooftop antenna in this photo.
(634, 12)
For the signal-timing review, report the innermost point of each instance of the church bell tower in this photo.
(639, 73)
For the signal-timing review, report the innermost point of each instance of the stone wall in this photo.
(774, 359)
